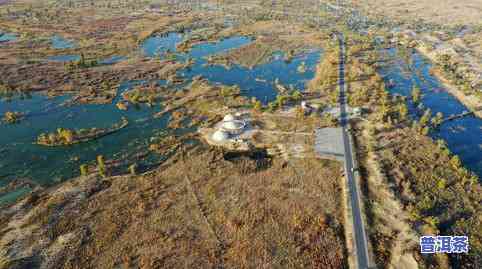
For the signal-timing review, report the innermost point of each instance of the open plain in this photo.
(219, 134)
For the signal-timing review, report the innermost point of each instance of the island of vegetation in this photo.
(64, 137)
(11, 117)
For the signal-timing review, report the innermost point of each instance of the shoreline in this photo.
(471, 103)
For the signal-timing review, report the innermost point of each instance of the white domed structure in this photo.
(229, 117)
(233, 127)
(220, 135)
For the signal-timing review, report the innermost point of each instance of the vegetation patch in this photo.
(64, 137)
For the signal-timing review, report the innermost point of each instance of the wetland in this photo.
(139, 134)
(44, 113)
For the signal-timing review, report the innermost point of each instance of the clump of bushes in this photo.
(282, 100)
(12, 117)
(81, 63)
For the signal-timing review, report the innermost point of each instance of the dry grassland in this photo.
(202, 209)
(444, 12)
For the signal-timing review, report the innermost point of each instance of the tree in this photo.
(384, 97)
(424, 130)
(300, 113)
(473, 179)
(415, 125)
(424, 120)
(82, 59)
(334, 97)
(403, 111)
(455, 162)
(257, 106)
(11, 117)
(52, 138)
(432, 221)
(42, 138)
(444, 61)
(151, 99)
(66, 134)
(281, 100)
(272, 106)
(437, 120)
(441, 184)
(83, 170)
(134, 97)
(416, 94)
(106, 85)
(227, 91)
(441, 144)
(296, 95)
(467, 89)
(101, 165)
(133, 169)
(384, 111)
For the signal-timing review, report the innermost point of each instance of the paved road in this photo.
(358, 226)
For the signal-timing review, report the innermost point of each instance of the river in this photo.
(464, 135)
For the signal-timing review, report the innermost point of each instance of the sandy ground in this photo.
(436, 11)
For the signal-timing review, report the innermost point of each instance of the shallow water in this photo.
(59, 42)
(113, 59)
(20, 158)
(14, 195)
(64, 58)
(8, 37)
(46, 165)
(71, 57)
(256, 82)
(156, 45)
(464, 135)
(259, 81)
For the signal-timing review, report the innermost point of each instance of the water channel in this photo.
(21, 159)
(464, 135)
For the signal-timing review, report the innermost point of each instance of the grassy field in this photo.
(202, 209)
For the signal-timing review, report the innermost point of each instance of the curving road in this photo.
(361, 246)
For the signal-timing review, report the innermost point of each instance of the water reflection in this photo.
(463, 136)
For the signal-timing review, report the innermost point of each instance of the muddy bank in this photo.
(473, 103)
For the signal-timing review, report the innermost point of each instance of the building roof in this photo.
(229, 117)
(233, 125)
(220, 135)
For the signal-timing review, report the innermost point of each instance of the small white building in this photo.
(229, 117)
(228, 129)
(220, 136)
(233, 127)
